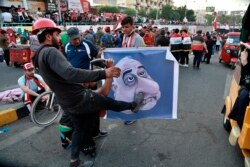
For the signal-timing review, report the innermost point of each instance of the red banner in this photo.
(85, 5)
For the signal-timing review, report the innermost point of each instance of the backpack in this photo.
(107, 41)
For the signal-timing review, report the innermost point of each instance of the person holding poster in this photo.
(130, 39)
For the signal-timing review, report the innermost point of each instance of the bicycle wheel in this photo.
(44, 113)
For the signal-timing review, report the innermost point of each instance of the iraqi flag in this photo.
(215, 23)
(245, 31)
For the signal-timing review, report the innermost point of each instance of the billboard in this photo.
(210, 9)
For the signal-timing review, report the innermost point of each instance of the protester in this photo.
(130, 39)
(198, 46)
(66, 125)
(31, 84)
(60, 75)
(4, 44)
(186, 48)
(175, 44)
(79, 53)
(107, 40)
(162, 40)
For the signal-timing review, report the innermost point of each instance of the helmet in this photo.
(44, 23)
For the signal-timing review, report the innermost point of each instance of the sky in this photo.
(219, 5)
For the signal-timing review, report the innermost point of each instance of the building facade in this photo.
(32, 5)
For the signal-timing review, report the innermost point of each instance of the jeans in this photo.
(197, 59)
(90, 104)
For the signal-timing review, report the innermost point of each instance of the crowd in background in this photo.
(21, 15)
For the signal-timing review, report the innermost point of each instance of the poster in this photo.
(79, 5)
(51, 5)
(153, 71)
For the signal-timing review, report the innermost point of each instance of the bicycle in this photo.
(45, 112)
(45, 109)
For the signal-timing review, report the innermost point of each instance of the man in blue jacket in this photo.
(79, 52)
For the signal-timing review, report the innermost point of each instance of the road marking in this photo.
(227, 85)
(19, 137)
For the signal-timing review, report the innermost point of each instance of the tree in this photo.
(108, 9)
(181, 11)
(142, 13)
(152, 13)
(223, 19)
(130, 12)
(209, 19)
(167, 12)
(190, 15)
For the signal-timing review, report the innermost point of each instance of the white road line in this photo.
(19, 137)
(227, 85)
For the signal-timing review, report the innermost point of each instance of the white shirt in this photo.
(6, 17)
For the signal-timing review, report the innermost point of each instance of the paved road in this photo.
(195, 139)
(8, 80)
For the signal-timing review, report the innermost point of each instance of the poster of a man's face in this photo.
(134, 78)
(152, 72)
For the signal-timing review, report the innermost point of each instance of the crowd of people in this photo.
(18, 15)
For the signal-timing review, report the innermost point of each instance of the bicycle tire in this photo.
(45, 113)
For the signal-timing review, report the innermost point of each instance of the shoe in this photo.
(185, 65)
(138, 99)
(78, 163)
(101, 134)
(91, 151)
(129, 122)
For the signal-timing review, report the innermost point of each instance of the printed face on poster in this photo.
(154, 72)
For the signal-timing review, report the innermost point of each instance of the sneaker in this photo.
(101, 134)
(138, 99)
(78, 163)
(129, 122)
(185, 65)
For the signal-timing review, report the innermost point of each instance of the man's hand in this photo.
(100, 52)
(109, 63)
(113, 72)
(45, 98)
(243, 57)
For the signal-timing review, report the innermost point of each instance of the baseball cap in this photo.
(27, 66)
(73, 33)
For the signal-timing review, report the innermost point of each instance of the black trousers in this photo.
(240, 105)
(184, 57)
(7, 57)
(90, 104)
(176, 55)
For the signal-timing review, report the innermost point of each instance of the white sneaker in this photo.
(185, 65)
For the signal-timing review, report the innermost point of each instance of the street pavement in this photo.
(8, 80)
(195, 139)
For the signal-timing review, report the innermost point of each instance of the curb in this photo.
(13, 114)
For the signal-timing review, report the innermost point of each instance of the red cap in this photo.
(28, 66)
